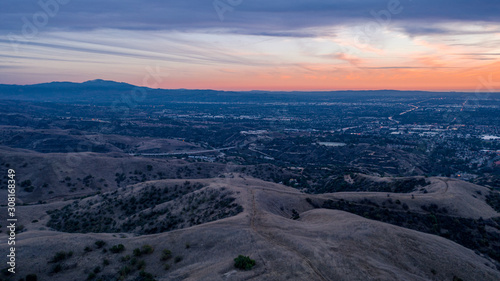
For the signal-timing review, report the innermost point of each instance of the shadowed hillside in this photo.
(287, 237)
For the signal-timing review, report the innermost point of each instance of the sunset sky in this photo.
(254, 44)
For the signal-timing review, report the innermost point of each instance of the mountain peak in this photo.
(101, 81)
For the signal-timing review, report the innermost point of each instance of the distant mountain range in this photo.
(105, 92)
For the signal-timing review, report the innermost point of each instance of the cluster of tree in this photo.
(477, 234)
(151, 210)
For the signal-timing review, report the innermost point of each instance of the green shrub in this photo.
(145, 276)
(124, 271)
(141, 265)
(166, 254)
(137, 252)
(60, 256)
(91, 276)
(100, 244)
(144, 250)
(244, 262)
(177, 259)
(56, 268)
(166, 266)
(147, 249)
(125, 258)
(117, 248)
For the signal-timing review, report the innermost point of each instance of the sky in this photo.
(446, 45)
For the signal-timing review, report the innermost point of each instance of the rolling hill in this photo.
(288, 237)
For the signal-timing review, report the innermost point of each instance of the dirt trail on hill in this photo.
(259, 230)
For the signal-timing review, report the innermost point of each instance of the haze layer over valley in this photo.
(373, 185)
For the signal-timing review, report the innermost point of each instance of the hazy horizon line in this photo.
(259, 90)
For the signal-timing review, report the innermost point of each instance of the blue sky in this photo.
(243, 44)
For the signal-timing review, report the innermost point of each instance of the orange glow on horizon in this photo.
(425, 79)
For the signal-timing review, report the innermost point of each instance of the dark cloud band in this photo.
(280, 17)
